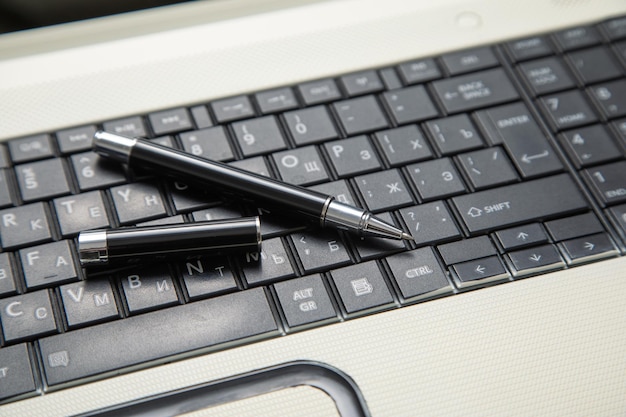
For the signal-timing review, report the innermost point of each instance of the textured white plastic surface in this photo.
(550, 345)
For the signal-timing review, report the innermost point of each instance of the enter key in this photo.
(514, 126)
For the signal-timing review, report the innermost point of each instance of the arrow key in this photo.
(535, 260)
(521, 236)
(479, 272)
(588, 248)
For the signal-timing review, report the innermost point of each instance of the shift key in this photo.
(519, 203)
(157, 335)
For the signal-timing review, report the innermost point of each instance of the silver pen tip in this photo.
(380, 228)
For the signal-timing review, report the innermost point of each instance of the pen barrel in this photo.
(134, 244)
(273, 193)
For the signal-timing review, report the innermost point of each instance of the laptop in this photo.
(493, 132)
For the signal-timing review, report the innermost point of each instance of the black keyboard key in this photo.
(211, 143)
(403, 145)
(487, 168)
(42, 179)
(232, 108)
(360, 115)
(390, 78)
(7, 275)
(92, 171)
(430, 223)
(4, 157)
(310, 125)
(361, 288)
(514, 126)
(76, 139)
(518, 203)
(454, 134)
(610, 98)
(577, 37)
(148, 288)
(466, 250)
(137, 202)
(521, 236)
(590, 145)
(384, 190)
(436, 179)
(88, 302)
(479, 272)
(363, 82)
(620, 51)
(594, 65)
(128, 126)
(16, 372)
(469, 60)
(187, 198)
(615, 29)
(206, 277)
(216, 213)
(547, 75)
(271, 264)
(201, 117)
(49, 264)
(31, 148)
(26, 316)
(167, 140)
(320, 250)
(476, 90)
(535, 260)
(256, 165)
(81, 212)
(607, 182)
(24, 225)
(320, 91)
(305, 301)
(170, 121)
(6, 198)
(588, 248)
(373, 248)
(410, 105)
(157, 335)
(529, 48)
(618, 216)
(164, 221)
(419, 71)
(338, 189)
(567, 110)
(259, 136)
(419, 275)
(276, 100)
(301, 166)
(352, 156)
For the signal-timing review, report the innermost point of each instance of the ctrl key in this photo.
(16, 373)
(419, 275)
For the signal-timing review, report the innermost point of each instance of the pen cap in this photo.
(134, 244)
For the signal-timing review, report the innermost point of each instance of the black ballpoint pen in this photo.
(323, 208)
(134, 244)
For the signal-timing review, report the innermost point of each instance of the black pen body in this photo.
(136, 244)
(272, 193)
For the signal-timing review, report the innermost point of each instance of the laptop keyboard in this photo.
(503, 162)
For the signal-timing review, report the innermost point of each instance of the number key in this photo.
(259, 136)
(567, 110)
(92, 171)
